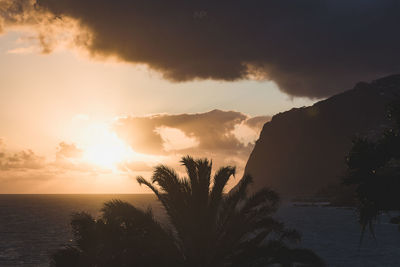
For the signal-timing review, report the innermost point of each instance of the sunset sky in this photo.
(93, 94)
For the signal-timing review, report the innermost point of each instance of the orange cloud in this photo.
(65, 150)
(227, 137)
(212, 131)
(23, 160)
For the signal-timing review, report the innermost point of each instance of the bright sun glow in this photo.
(105, 149)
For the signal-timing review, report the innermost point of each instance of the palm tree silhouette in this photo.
(373, 168)
(216, 229)
(205, 228)
(122, 236)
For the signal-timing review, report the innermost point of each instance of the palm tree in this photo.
(373, 168)
(205, 228)
(122, 236)
(216, 229)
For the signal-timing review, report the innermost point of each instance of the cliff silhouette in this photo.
(302, 151)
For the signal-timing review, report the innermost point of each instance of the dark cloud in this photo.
(212, 131)
(17, 12)
(310, 48)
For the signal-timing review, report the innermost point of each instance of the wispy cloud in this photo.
(23, 50)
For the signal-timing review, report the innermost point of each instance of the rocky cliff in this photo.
(303, 150)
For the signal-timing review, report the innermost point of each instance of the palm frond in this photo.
(141, 181)
(167, 179)
(263, 199)
(204, 167)
(232, 199)
(123, 213)
(191, 170)
(221, 178)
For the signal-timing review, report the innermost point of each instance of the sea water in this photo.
(33, 226)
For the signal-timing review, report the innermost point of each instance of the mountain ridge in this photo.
(303, 150)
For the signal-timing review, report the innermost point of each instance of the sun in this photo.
(103, 148)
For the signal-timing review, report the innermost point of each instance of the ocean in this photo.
(32, 226)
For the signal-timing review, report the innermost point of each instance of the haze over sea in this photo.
(32, 226)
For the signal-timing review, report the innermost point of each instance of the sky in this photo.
(94, 93)
(68, 98)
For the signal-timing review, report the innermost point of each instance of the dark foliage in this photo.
(374, 168)
(122, 236)
(206, 227)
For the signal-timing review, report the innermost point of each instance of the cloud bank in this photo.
(212, 131)
(226, 137)
(22, 160)
(311, 48)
